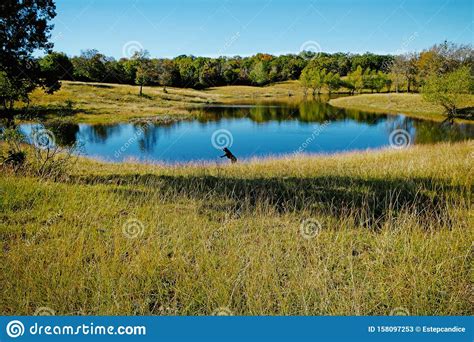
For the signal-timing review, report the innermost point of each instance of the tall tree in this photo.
(144, 73)
(24, 29)
(356, 79)
(332, 81)
(405, 67)
(305, 79)
(58, 64)
(318, 78)
(168, 74)
(259, 74)
(449, 89)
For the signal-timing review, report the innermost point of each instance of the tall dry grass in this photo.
(353, 234)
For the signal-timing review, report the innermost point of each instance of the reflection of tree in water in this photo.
(100, 133)
(431, 132)
(400, 122)
(65, 133)
(318, 111)
(148, 136)
(305, 111)
(272, 113)
(424, 132)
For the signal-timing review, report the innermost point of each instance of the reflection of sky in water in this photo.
(271, 132)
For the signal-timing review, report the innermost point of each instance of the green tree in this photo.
(305, 79)
(187, 70)
(115, 72)
(90, 66)
(380, 80)
(209, 74)
(404, 67)
(449, 89)
(57, 64)
(24, 30)
(259, 74)
(368, 78)
(356, 79)
(144, 73)
(332, 81)
(230, 71)
(168, 74)
(318, 78)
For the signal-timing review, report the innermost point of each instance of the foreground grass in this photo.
(396, 232)
(411, 105)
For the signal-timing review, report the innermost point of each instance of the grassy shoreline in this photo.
(395, 232)
(96, 103)
(411, 105)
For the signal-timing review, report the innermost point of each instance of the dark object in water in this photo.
(229, 155)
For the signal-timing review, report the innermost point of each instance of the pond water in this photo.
(259, 130)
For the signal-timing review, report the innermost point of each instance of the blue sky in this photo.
(169, 28)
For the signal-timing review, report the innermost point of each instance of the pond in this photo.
(259, 130)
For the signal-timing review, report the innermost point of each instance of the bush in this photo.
(448, 89)
(38, 156)
(13, 157)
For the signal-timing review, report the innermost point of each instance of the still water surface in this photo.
(260, 130)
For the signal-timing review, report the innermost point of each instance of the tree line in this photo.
(202, 72)
(410, 72)
(316, 71)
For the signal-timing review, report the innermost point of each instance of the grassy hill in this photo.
(409, 104)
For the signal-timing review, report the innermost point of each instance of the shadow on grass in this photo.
(41, 112)
(95, 85)
(370, 201)
(466, 113)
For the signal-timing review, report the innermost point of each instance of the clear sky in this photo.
(169, 28)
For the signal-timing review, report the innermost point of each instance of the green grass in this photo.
(409, 104)
(396, 232)
(105, 103)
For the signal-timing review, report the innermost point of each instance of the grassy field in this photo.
(356, 234)
(103, 103)
(409, 104)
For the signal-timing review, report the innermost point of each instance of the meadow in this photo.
(412, 105)
(369, 233)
